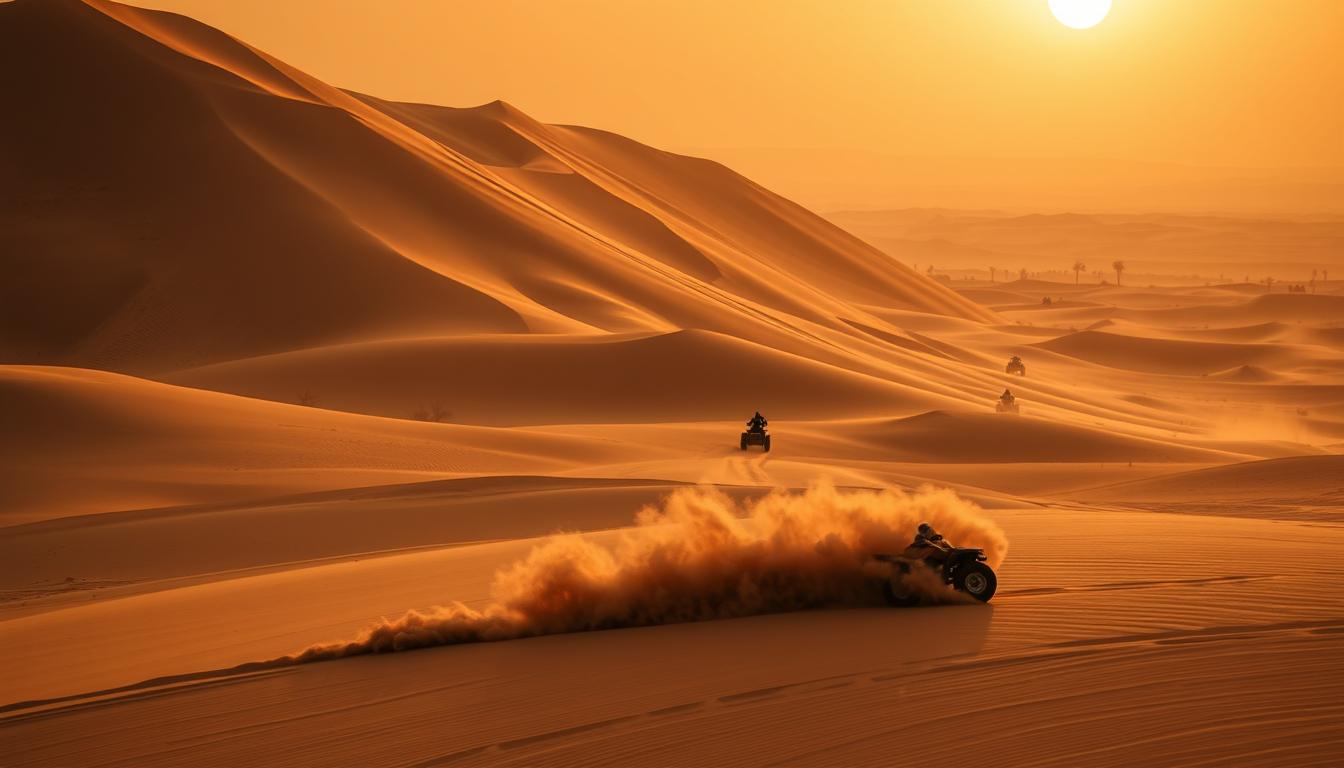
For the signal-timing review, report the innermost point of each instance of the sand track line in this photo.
(1103, 647)
(1122, 585)
(159, 686)
(1235, 629)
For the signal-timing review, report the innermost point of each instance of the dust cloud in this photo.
(698, 556)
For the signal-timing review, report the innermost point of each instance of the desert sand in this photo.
(282, 361)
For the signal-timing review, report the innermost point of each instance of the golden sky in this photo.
(1239, 83)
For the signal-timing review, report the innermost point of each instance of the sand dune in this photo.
(1163, 355)
(284, 366)
(534, 379)
(1298, 487)
(81, 442)
(997, 296)
(355, 225)
(1259, 332)
(1247, 373)
(941, 436)
(1279, 307)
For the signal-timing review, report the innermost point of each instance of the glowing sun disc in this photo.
(1080, 14)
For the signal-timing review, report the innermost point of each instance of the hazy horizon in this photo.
(1194, 107)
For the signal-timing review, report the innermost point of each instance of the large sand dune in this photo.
(280, 361)
(331, 220)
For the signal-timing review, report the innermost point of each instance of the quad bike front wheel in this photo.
(744, 442)
(977, 580)
(766, 444)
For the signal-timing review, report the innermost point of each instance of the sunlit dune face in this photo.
(1080, 14)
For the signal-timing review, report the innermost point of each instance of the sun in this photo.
(1080, 14)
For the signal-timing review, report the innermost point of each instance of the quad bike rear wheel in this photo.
(744, 442)
(977, 580)
(766, 444)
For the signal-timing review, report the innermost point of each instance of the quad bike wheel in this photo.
(977, 580)
(766, 444)
(898, 597)
(744, 442)
(893, 591)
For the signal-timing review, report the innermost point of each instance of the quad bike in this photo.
(1016, 366)
(1007, 406)
(753, 437)
(962, 567)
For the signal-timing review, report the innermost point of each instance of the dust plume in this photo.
(699, 556)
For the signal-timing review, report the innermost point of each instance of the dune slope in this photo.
(81, 442)
(330, 218)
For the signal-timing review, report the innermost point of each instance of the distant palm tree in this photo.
(1078, 268)
(1022, 274)
(1269, 285)
(1119, 267)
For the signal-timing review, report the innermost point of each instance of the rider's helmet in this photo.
(925, 529)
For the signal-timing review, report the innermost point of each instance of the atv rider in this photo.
(928, 538)
(1007, 397)
(757, 423)
(928, 545)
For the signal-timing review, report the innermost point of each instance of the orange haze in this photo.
(940, 91)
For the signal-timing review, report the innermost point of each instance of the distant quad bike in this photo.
(963, 568)
(756, 437)
(1007, 406)
(1016, 366)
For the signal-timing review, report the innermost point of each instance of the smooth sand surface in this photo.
(1157, 625)
(280, 360)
